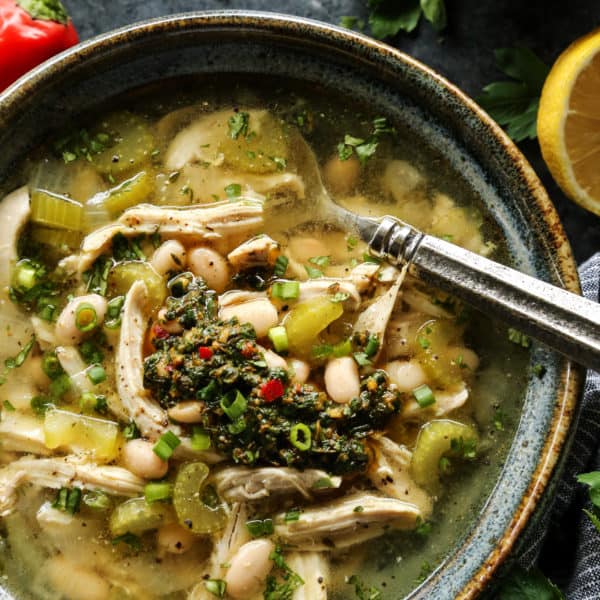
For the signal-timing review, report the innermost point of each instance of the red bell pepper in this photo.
(31, 31)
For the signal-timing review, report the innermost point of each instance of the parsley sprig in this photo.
(514, 104)
(388, 17)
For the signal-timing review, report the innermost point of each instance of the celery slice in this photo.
(56, 237)
(53, 210)
(109, 205)
(130, 144)
(137, 516)
(79, 432)
(433, 443)
(307, 319)
(197, 506)
(123, 276)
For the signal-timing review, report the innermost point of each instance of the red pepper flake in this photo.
(271, 390)
(205, 352)
(248, 350)
(159, 332)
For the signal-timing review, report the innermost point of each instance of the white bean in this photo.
(174, 538)
(249, 569)
(406, 374)
(170, 256)
(67, 332)
(464, 357)
(301, 370)
(186, 412)
(303, 248)
(260, 313)
(342, 380)
(273, 360)
(211, 266)
(74, 581)
(341, 175)
(140, 459)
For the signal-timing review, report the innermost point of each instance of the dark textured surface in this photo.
(463, 54)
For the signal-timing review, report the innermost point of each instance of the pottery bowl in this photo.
(440, 115)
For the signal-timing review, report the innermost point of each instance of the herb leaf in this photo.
(389, 17)
(528, 585)
(238, 125)
(514, 104)
(435, 12)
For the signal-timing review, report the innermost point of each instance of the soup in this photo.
(213, 391)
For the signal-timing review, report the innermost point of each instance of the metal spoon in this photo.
(566, 322)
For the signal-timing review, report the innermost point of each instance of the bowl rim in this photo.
(563, 262)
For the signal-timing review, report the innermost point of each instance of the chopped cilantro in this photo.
(362, 591)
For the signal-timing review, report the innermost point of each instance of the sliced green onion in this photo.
(166, 444)
(155, 491)
(285, 290)
(96, 374)
(68, 500)
(40, 404)
(200, 439)
(235, 408)
(97, 500)
(60, 386)
(343, 348)
(114, 306)
(8, 407)
(233, 190)
(86, 317)
(237, 426)
(216, 587)
(313, 273)
(300, 436)
(19, 359)
(91, 352)
(131, 431)
(292, 515)
(362, 359)
(25, 276)
(372, 346)
(278, 336)
(259, 528)
(424, 396)
(281, 265)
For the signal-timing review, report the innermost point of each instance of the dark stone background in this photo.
(463, 53)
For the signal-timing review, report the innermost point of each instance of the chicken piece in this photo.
(313, 568)
(445, 402)
(390, 473)
(194, 224)
(260, 251)
(22, 433)
(67, 471)
(243, 484)
(346, 521)
(326, 285)
(74, 366)
(234, 536)
(363, 276)
(374, 319)
(150, 418)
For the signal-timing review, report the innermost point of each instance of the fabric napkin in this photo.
(565, 544)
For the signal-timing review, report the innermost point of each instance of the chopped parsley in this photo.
(364, 148)
(282, 581)
(238, 125)
(516, 337)
(362, 591)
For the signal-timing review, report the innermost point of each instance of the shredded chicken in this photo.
(313, 568)
(150, 418)
(195, 224)
(245, 484)
(390, 473)
(257, 252)
(22, 433)
(67, 471)
(445, 402)
(345, 521)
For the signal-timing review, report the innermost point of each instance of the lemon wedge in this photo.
(569, 121)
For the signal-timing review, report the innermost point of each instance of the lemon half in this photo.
(569, 121)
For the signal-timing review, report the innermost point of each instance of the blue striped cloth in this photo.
(565, 544)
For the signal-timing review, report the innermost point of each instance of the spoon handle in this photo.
(566, 322)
